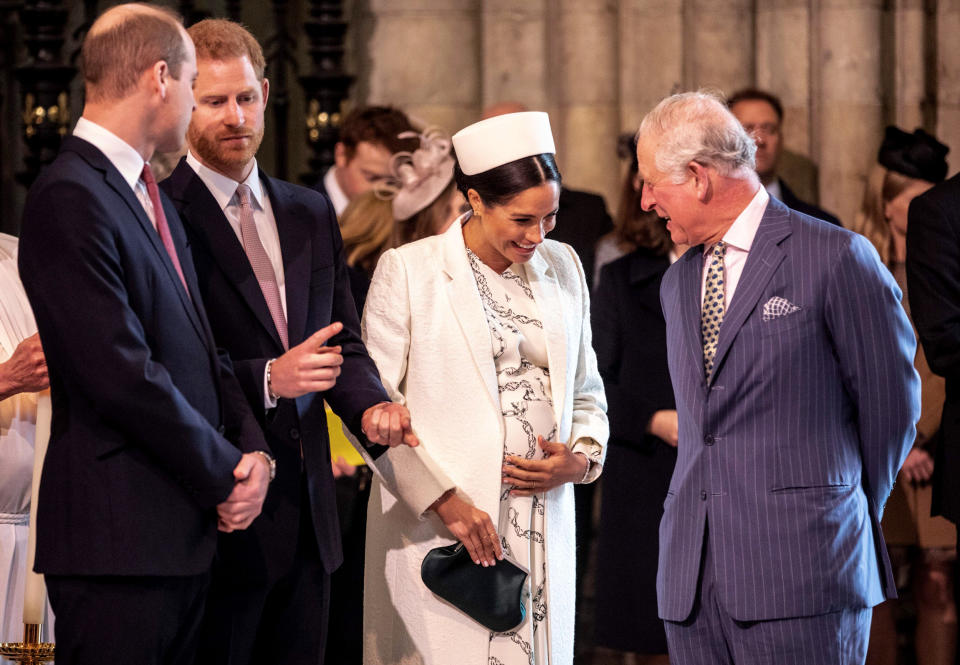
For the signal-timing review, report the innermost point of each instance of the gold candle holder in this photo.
(31, 651)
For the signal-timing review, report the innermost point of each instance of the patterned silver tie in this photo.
(712, 310)
(260, 263)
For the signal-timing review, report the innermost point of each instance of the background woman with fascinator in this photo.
(484, 333)
(420, 200)
(922, 547)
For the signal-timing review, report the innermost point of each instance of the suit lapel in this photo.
(762, 262)
(120, 186)
(296, 251)
(468, 308)
(199, 209)
(690, 278)
(546, 293)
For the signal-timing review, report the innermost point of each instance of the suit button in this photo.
(703, 495)
(294, 434)
(708, 439)
(222, 429)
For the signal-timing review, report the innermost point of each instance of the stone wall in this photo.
(843, 68)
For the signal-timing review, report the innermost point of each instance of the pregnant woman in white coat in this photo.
(484, 333)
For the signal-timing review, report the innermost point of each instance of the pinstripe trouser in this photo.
(710, 636)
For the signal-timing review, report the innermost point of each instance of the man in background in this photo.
(761, 114)
(138, 475)
(368, 140)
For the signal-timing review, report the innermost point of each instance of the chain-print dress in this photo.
(520, 357)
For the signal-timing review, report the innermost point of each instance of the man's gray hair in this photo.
(698, 127)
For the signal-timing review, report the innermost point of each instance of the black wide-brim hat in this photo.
(917, 155)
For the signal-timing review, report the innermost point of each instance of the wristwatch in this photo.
(272, 463)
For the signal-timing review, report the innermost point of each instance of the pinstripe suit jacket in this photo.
(791, 449)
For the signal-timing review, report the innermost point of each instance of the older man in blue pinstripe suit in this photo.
(792, 363)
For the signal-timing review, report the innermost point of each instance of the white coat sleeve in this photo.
(590, 428)
(409, 473)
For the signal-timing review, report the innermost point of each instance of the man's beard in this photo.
(213, 153)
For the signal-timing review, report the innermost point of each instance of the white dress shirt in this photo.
(337, 196)
(224, 190)
(739, 239)
(123, 157)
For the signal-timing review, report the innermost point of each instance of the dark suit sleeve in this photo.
(358, 387)
(242, 426)
(933, 277)
(101, 346)
(875, 346)
(630, 407)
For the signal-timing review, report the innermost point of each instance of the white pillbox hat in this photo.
(502, 139)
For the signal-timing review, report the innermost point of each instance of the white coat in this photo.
(424, 326)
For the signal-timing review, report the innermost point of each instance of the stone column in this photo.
(718, 44)
(783, 65)
(783, 68)
(909, 55)
(425, 58)
(948, 79)
(651, 56)
(516, 54)
(850, 119)
(589, 123)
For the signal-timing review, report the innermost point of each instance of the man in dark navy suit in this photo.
(270, 266)
(138, 474)
(791, 360)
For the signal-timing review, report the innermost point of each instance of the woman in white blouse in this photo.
(484, 333)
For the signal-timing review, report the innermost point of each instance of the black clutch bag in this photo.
(490, 596)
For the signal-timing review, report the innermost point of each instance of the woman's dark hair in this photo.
(502, 183)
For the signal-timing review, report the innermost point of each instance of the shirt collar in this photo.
(774, 189)
(223, 187)
(120, 153)
(337, 196)
(744, 227)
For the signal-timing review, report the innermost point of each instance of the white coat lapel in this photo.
(468, 308)
(550, 302)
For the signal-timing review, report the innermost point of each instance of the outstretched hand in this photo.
(388, 424)
(529, 476)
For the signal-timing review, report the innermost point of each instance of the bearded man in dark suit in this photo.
(270, 265)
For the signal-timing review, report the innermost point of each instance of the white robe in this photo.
(18, 421)
(424, 326)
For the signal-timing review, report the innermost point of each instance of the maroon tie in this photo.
(161, 221)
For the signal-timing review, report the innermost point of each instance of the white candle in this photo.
(34, 590)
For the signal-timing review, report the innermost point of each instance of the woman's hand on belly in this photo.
(531, 476)
(471, 526)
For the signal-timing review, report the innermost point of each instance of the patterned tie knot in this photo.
(719, 250)
(243, 193)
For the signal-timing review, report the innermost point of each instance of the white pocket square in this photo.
(778, 307)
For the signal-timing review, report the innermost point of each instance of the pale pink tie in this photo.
(160, 219)
(260, 263)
